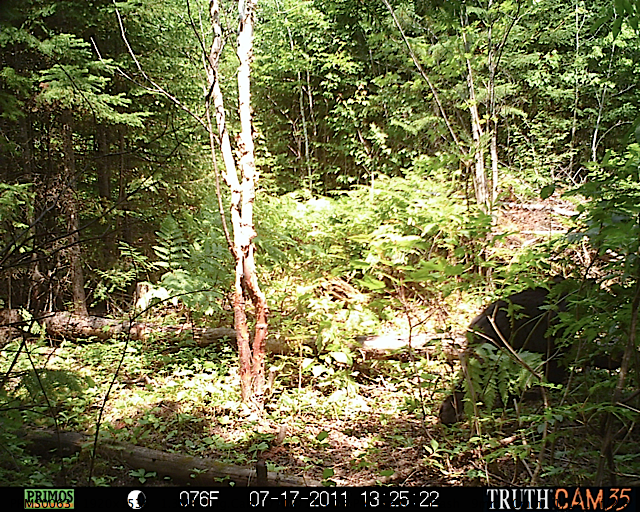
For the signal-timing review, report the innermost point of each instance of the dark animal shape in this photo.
(522, 320)
(451, 410)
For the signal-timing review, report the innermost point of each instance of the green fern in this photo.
(196, 260)
(496, 376)
(173, 248)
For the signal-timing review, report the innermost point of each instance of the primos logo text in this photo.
(48, 499)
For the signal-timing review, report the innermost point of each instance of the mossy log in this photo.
(183, 469)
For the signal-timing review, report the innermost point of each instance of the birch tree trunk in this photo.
(479, 176)
(493, 111)
(578, 26)
(242, 189)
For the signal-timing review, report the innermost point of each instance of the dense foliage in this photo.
(373, 123)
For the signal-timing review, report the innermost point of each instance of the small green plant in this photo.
(193, 255)
(433, 448)
(322, 437)
(258, 447)
(327, 473)
(196, 472)
(142, 475)
(361, 462)
(102, 481)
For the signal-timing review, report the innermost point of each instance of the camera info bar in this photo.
(441, 499)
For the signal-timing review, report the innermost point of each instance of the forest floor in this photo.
(372, 422)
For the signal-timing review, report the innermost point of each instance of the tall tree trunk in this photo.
(36, 288)
(247, 166)
(578, 25)
(305, 134)
(479, 177)
(103, 169)
(103, 174)
(123, 203)
(494, 162)
(73, 220)
(303, 117)
(242, 197)
(493, 111)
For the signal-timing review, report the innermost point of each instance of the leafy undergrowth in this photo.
(346, 420)
(187, 401)
(367, 423)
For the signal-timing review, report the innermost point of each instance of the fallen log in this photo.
(68, 325)
(183, 469)
(389, 345)
(75, 326)
(560, 210)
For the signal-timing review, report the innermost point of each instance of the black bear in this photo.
(522, 320)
